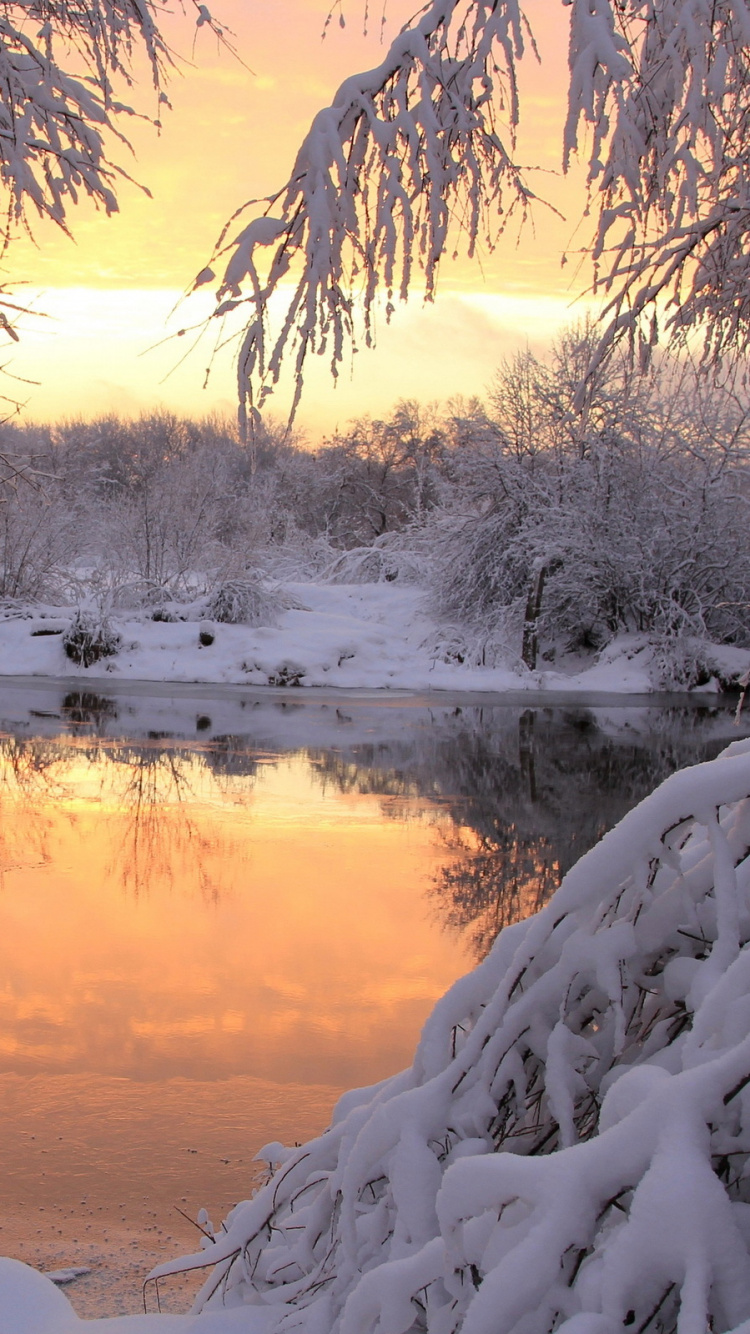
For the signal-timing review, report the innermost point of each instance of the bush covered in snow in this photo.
(384, 561)
(242, 602)
(571, 1148)
(89, 638)
(627, 516)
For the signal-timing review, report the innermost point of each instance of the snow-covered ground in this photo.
(357, 636)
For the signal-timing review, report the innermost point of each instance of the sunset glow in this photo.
(231, 136)
(264, 926)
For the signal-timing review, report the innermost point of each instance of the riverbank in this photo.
(359, 636)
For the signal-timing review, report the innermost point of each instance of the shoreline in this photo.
(384, 696)
(375, 640)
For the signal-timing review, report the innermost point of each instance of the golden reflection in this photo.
(167, 910)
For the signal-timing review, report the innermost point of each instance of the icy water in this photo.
(218, 910)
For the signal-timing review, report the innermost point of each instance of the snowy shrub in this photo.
(494, 644)
(376, 564)
(300, 556)
(242, 602)
(89, 638)
(571, 1148)
(39, 536)
(681, 663)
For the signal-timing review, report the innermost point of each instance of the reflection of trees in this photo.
(85, 709)
(231, 757)
(154, 787)
(29, 783)
(528, 792)
(516, 795)
(490, 883)
(382, 770)
(159, 833)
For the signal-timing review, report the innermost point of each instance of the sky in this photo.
(109, 303)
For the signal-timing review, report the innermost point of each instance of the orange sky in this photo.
(232, 134)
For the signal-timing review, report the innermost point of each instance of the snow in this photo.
(31, 1304)
(568, 1149)
(357, 636)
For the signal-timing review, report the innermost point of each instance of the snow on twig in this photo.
(411, 152)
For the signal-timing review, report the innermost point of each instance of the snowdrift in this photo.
(569, 1150)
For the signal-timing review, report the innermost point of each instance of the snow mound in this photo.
(63, 1276)
(30, 1303)
(570, 1149)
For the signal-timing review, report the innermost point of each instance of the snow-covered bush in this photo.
(163, 531)
(39, 537)
(242, 602)
(89, 638)
(286, 674)
(571, 1148)
(494, 643)
(384, 561)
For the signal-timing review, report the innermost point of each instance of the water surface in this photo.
(218, 910)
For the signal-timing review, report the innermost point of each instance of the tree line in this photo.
(535, 526)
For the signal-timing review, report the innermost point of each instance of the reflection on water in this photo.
(527, 791)
(172, 921)
(216, 913)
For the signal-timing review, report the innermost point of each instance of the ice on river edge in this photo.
(603, 1047)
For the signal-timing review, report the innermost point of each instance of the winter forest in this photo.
(569, 1151)
(536, 534)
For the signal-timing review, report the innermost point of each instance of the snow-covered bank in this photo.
(570, 1148)
(358, 636)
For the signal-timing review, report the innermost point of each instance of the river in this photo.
(219, 909)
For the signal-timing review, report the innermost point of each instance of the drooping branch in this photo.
(412, 149)
(405, 155)
(62, 66)
(53, 123)
(665, 89)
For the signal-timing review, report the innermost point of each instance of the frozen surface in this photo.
(358, 636)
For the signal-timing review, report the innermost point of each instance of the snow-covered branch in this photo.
(664, 88)
(406, 152)
(63, 68)
(570, 1148)
(412, 150)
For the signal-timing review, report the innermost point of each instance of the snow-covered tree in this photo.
(61, 67)
(423, 145)
(626, 513)
(67, 74)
